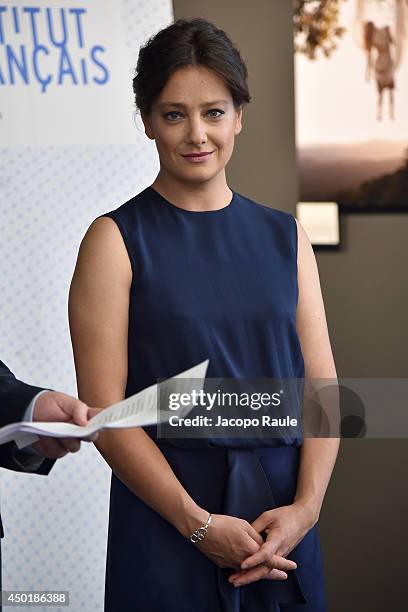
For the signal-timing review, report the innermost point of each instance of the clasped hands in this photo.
(233, 542)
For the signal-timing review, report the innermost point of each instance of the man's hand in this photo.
(54, 406)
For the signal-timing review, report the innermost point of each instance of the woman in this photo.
(384, 65)
(189, 270)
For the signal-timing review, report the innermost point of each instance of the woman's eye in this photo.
(167, 115)
(216, 110)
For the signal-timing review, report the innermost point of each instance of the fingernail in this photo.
(244, 565)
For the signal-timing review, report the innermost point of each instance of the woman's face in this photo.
(193, 114)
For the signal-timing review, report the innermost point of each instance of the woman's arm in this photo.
(286, 526)
(98, 315)
(318, 455)
(369, 66)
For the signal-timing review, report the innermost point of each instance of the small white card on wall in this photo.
(320, 221)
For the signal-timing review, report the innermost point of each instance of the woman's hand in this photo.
(230, 540)
(285, 528)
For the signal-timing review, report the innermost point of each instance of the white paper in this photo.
(138, 410)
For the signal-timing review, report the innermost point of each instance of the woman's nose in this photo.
(196, 132)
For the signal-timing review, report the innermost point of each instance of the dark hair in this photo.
(188, 43)
(368, 31)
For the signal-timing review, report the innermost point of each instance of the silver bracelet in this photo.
(200, 533)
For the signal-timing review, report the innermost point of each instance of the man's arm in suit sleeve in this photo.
(15, 398)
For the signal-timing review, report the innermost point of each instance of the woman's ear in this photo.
(147, 126)
(238, 121)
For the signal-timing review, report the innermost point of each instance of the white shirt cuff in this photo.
(28, 415)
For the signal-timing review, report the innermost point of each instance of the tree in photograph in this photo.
(316, 26)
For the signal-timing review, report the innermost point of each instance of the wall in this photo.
(366, 301)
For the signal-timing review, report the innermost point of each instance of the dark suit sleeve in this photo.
(15, 397)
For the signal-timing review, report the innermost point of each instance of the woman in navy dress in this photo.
(189, 270)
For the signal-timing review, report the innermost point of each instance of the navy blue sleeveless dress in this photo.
(222, 285)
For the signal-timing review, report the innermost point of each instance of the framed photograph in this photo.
(351, 86)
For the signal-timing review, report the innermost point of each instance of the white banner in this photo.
(65, 74)
(68, 153)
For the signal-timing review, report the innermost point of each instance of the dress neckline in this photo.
(216, 211)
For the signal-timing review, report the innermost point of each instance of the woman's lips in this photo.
(198, 157)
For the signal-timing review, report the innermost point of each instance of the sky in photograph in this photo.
(334, 102)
